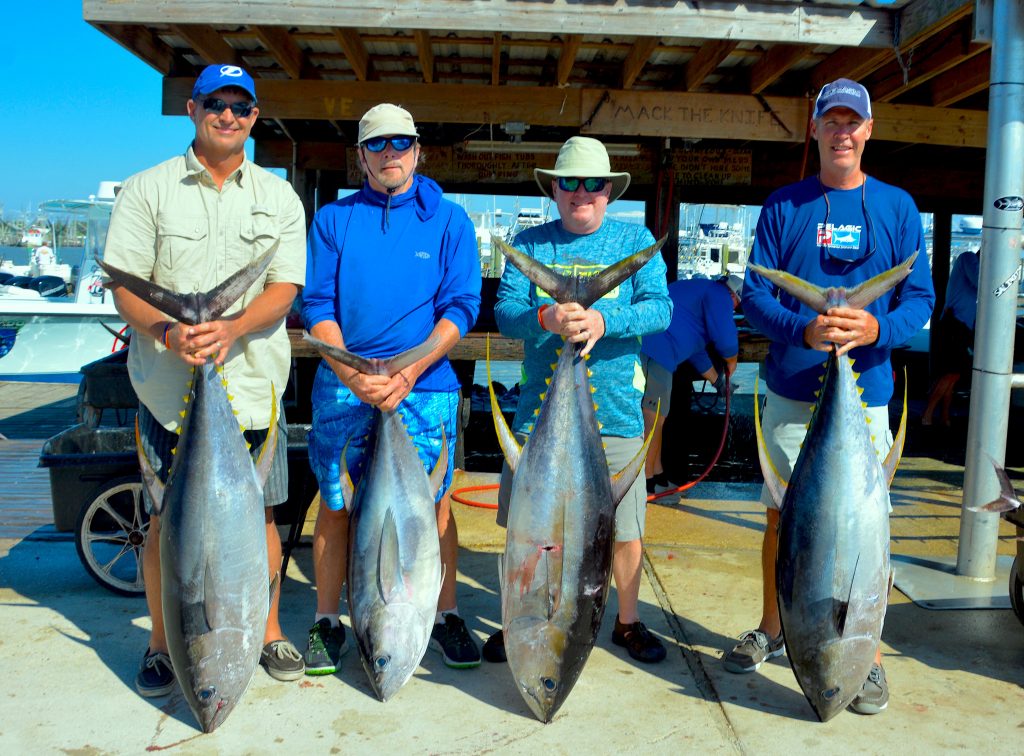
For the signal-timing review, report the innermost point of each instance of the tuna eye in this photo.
(829, 694)
(206, 694)
(549, 684)
(382, 662)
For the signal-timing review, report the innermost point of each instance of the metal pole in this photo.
(997, 291)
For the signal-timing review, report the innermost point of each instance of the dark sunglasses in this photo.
(216, 105)
(589, 184)
(851, 255)
(399, 143)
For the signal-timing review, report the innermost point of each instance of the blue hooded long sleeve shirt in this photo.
(844, 240)
(387, 274)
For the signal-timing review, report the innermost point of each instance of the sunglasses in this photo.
(399, 143)
(589, 184)
(844, 254)
(216, 105)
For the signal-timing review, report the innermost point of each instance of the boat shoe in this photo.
(640, 642)
(282, 660)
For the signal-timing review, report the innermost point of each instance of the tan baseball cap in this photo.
(386, 120)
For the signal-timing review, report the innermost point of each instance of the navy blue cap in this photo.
(843, 93)
(219, 76)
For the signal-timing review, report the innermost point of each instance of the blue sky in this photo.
(77, 108)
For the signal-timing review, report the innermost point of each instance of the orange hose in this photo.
(470, 502)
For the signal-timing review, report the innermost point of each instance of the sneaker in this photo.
(754, 648)
(639, 641)
(494, 648)
(282, 660)
(874, 695)
(156, 676)
(455, 643)
(327, 645)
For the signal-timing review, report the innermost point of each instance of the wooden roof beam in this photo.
(286, 52)
(963, 81)
(775, 62)
(636, 59)
(355, 51)
(143, 44)
(496, 60)
(709, 57)
(208, 44)
(567, 58)
(947, 53)
(426, 53)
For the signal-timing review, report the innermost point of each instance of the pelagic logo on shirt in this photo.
(583, 270)
(839, 237)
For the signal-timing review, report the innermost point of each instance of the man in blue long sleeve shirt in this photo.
(387, 268)
(838, 228)
(582, 185)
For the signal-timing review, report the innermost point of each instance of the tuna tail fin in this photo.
(813, 296)
(624, 478)
(571, 288)
(1007, 498)
(437, 474)
(192, 308)
(265, 460)
(892, 459)
(373, 366)
(864, 294)
(772, 479)
(150, 479)
(506, 439)
(390, 581)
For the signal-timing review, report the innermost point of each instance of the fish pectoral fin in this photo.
(506, 439)
(772, 479)
(841, 608)
(438, 473)
(623, 480)
(390, 580)
(150, 479)
(275, 586)
(345, 480)
(266, 456)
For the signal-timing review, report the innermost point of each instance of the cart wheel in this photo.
(110, 534)
(1016, 590)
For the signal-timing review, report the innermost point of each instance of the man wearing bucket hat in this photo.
(583, 240)
(839, 227)
(702, 312)
(186, 224)
(387, 268)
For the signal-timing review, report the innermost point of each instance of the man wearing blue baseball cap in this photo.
(839, 227)
(186, 225)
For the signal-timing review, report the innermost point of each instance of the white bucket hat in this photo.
(386, 120)
(582, 157)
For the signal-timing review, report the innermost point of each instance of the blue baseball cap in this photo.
(843, 93)
(219, 76)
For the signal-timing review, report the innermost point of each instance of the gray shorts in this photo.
(157, 443)
(659, 386)
(784, 424)
(632, 510)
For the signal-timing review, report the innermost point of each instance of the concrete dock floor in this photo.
(69, 649)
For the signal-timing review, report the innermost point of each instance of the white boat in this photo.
(971, 225)
(49, 328)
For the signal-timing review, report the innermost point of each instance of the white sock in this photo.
(439, 617)
(334, 619)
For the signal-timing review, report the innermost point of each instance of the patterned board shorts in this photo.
(339, 417)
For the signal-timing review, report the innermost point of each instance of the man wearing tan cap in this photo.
(387, 268)
(582, 185)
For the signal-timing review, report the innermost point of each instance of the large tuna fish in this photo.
(561, 519)
(394, 557)
(213, 553)
(832, 569)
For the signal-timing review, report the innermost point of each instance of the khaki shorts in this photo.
(632, 510)
(659, 386)
(784, 424)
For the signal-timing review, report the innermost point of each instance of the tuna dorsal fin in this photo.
(624, 478)
(437, 474)
(150, 479)
(776, 485)
(892, 459)
(506, 439)
(266, 456)
(841, 609)
(192, 308)
(390, 580)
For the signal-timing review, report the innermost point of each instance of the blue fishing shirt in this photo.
(701, 315)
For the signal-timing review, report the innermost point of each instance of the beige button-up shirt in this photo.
(171, 225)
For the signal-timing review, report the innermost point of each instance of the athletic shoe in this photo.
(456, 645)
(156, 675)
(874, 695)
(754, 648)
(327, 645)
(282, 660)
(494, 648)
(640, 642)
